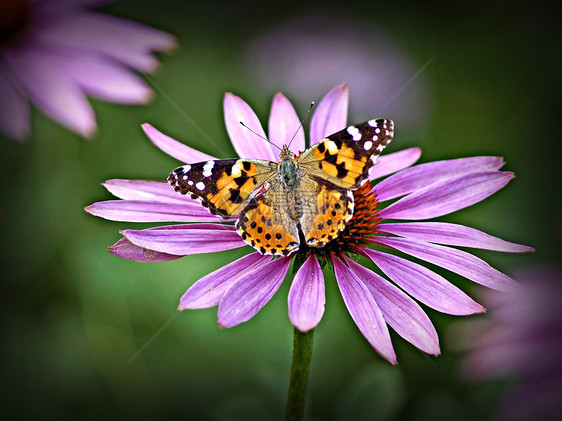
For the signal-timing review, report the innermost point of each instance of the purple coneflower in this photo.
(55, 52)
(521, 338)
(241, 288)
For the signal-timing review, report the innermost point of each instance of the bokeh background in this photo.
(86, 335)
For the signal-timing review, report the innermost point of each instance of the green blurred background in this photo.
(74, 317)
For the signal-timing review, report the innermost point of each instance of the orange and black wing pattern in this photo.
(345, 158)
(223, 186)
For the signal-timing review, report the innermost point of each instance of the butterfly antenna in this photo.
(302, 122)
(260, 136)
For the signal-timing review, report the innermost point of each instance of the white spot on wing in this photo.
(236, 170)
(208, 168)
(190, 183)
(367, 145)
(200, 185)
(186, 168)
(332, 148)
(354, 132)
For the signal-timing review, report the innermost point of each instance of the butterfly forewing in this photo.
(344, 158)
(223, 186)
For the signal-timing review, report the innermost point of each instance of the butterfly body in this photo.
(302, 198)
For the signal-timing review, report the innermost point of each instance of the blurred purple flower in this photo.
(308, 55)
(55, 52)
(521, 337)
(243, 287)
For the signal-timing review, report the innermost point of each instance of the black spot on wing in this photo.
(235, 196)
(240, 181)
(342, 171)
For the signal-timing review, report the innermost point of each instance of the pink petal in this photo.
(331, 114)
(14, 108)
(457, 261)
(251, 292)
(124, 41)
(144, 211)
(186, 239)
(283, 124)
(306, 297)
(153, 191)
(127, 250)
(452, 234)
(364, 311)
(447, 196)
(426, 286)
(103, 78)
(246, 143)
(174, 148)
(209, 290)
(52, 91)
(389, 164)
(401, 312)
(421, 176)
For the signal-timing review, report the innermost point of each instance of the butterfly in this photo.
(300, 200)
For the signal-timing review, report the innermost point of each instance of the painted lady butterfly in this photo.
(301, 199)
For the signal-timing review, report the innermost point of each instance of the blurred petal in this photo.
(535, 399)
(389, 164)
(447, 196)
(283, 123)
(186, 239)
(174, 148)
(246, 143)
(103, 78)
(123, 40)
(402, 313)
(144, 211)
(453, 235)
(52, 91)
(331, 114)
(364, 311)
(420, 176)
(14, 107)
(61, 5)
(251, 292)
(424, 285)
(209, 290)
(306, 297)
(127, 250)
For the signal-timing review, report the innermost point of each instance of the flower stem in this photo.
(300, 367)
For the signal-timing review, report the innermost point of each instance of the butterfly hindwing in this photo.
(222, 186)
(326, 213)
(344, 158)
(266, 223)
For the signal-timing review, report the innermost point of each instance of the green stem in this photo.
(300, 367)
